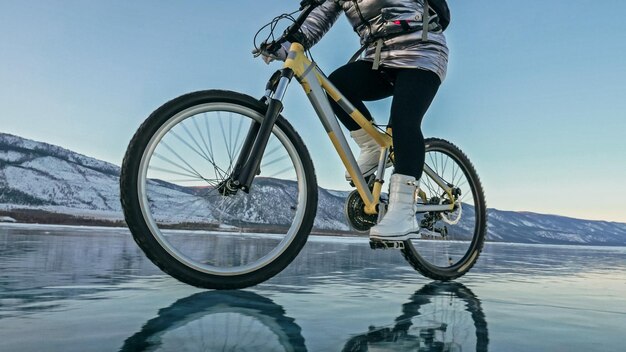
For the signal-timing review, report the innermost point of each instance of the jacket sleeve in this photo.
(318, 23)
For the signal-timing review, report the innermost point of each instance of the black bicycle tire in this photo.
(469, 259)
(140, 230)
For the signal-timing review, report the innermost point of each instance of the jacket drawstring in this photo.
(425, 21)
(379, 47)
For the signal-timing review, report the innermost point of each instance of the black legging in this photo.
(413, 90)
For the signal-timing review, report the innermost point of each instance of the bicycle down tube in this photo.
(316, 85)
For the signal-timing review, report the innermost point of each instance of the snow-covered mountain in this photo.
(43, 176)
(527, 227)
(36, 176)
(40, 176)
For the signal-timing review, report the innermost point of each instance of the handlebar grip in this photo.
(307, 6)
(305, 3)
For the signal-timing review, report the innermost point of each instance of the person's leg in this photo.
(358, 83)
(413, 94)
(414, 91)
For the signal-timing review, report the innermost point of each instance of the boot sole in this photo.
(404, 237)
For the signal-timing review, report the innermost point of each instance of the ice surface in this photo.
(84, 288)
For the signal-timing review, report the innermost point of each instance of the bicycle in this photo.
(190, 203)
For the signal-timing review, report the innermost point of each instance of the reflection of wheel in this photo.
(451, 241)
(182, 208)
(219, 321)
(441, 316)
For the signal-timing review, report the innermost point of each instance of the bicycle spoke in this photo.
(430, 187)
(189, 168)
(156, 168)
(208, 134)
(274, 161)
(177, 209)
(189, 207)
(238, 144)
(456, 176)
(217, 168)
(230, 156)
(202, 138)
(224, 210)
(434, 163)
(281, 171)
(459, 184)
(230, 134)
(444, 164)
(202, 152)
(212, 183)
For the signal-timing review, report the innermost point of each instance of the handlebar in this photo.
(305, 3)
(306, 6)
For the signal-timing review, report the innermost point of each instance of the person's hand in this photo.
(272, 51)
(305, 3)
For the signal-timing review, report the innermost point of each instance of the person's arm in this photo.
(317, 24)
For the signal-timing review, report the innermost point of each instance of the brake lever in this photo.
(267, 48)
(273, 46)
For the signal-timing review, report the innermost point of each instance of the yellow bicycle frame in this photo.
(317, 87)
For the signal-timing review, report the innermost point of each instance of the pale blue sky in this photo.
(534, 94)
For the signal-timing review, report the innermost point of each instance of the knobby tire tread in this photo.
(414, 260)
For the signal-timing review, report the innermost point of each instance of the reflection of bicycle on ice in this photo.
(441, 316)
(219, 321)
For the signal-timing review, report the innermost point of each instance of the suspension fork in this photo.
(249, 160)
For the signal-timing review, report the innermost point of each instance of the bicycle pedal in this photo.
(378, 244)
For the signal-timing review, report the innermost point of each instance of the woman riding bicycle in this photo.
(403, 58)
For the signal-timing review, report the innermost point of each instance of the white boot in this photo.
(370, 151)
(399, 223)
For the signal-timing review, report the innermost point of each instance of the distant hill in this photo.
(46, 183)
(40, 182)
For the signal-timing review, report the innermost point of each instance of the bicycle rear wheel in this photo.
(180, 214)
(451, 241)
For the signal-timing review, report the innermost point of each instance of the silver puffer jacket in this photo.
(389, 20)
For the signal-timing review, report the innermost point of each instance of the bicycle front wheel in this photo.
(182, 217)
(452, 240)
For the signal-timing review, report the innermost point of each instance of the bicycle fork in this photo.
(249, 160)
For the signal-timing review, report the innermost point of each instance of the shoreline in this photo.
(314, 236)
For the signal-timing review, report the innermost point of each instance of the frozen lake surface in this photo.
(92, 289)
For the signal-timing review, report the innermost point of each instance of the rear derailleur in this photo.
(429, 222)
